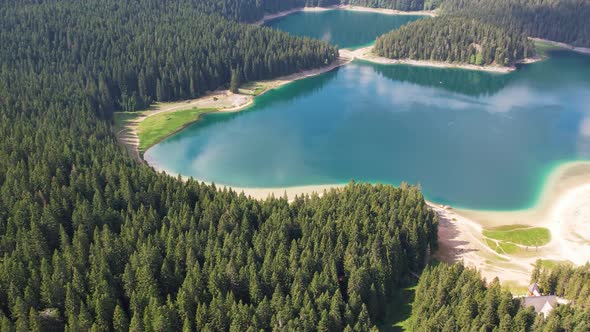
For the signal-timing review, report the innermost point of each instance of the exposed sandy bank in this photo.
(269, 17)
(562, 208)
(385, 11)
(583, 50)
(261, 193)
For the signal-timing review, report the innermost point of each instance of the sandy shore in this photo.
(562, 208)
(583, 50)
(367, 54)
(270, 17)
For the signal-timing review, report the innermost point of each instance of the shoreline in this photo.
(582, 50)
(385, 11)
(366, 54)
(561, 207)
(560, 179)
(129, 138)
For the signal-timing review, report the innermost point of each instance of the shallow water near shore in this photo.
(346, 29)
(472, 139)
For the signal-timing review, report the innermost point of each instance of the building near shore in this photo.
(542, 303)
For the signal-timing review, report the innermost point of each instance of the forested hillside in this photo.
(92, 241)
(455, 39)
(560, 20)
(455, 298)
(253, 10)
(125, 55)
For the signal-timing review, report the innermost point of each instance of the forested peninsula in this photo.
(486, 33)
(564, 21)
(455, 39)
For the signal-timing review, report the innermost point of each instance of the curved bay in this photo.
(347, 29)
(472, 139)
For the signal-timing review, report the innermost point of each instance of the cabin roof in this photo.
(540, 302)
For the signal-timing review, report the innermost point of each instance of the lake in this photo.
(344, 28)
(471, 139)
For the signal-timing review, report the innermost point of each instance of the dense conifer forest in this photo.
(92, 241)
(124, 55)
(560, 20)
(455, 298)
(455, 39)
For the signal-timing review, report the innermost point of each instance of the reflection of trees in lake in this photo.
(467, 82)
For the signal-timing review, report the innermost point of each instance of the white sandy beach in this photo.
(562, 208)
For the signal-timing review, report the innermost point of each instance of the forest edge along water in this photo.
(461, 230)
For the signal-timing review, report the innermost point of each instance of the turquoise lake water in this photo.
(472, 139)
(344, 28)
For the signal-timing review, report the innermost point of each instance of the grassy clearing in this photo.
(399, 310)
(518, 234)
(157, 127)
(550, 264)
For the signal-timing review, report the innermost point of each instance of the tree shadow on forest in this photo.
(399, 309)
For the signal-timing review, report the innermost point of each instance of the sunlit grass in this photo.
(157, 127)
(518, 234)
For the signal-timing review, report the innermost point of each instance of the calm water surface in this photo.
(347, 29)
(472, 139)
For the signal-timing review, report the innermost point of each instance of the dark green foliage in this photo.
(455, 298)
(124, 55)
(236, 81)
(253, 10)
(560, 20)
(565, 280)
(456, 40)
